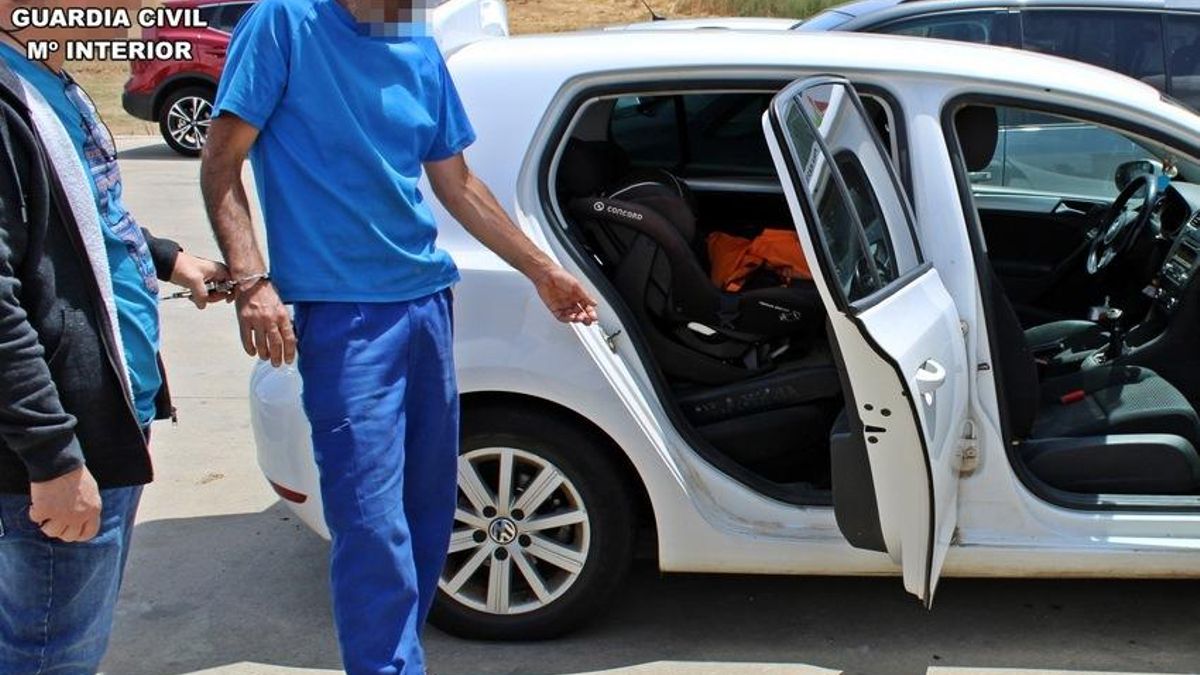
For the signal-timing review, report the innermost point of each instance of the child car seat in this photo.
(642, 226)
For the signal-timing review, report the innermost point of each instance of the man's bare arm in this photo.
(265, 324)
(474, 206)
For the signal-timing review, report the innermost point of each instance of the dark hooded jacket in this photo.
(64, 395)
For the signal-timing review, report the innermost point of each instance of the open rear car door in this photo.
(899, 338)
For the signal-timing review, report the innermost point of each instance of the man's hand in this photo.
(266, 324)
(67, 507)
(565, 297)
(195, 274)
(474, 206)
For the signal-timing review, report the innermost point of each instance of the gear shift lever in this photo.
(1110, 321)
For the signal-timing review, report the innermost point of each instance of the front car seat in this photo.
(978, 134)
(1109, 429)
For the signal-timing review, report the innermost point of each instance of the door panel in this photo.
(1038, 245)
(897, 329)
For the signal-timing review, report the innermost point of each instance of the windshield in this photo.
(827, 20)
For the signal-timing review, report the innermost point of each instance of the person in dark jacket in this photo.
(80, 375)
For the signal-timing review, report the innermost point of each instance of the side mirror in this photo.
(1130, 170)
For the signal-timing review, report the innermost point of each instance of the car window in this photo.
(696, 135)
(1183, 58)
(232, 14)
(827, 20)
(978, 27)
(847, 177)
(724, 135)
(1127, 42)
(210, 14)
(1045, 153)
(647, 128)
(721, 134)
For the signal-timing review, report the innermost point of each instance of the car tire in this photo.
(183, 119)
(595, 553)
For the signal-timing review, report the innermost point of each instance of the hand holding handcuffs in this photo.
(227, 286)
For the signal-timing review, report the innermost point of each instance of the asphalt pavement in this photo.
(222, 579)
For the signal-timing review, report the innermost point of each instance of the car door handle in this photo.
(930, 377)
(1064, 209)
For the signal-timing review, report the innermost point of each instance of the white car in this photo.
(887, 417)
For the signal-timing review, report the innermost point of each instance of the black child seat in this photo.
(1109, 429)
(641, 226)
(750, 370)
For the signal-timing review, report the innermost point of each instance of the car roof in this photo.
(596, 51)
(712, 23)
(541, 65)
(899, 8)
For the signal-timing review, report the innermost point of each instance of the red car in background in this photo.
(179, 94)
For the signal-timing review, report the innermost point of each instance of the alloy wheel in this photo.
(188, 120)
(521, 534)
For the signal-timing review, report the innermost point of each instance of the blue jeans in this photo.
(57, 599)
(380, 393)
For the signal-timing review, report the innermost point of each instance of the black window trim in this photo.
(815, 229)
(886, 290)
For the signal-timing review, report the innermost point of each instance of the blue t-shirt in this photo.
(135, 283)
(345, 122)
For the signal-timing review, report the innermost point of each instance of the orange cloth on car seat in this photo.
(734, 259)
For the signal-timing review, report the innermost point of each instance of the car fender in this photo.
(511, 344)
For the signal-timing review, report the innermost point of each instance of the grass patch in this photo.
(798, 9)
(105, 82)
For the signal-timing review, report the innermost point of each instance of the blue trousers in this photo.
(57, 599)
(380, 393)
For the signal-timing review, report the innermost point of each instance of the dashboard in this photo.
(1179, 217)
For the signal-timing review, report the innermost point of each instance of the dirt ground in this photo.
(542, 16)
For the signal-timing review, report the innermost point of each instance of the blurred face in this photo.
(63, 34)
(390, 18)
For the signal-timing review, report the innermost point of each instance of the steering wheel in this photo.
(1123, 224)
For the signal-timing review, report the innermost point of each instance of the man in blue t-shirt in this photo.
(340, 114)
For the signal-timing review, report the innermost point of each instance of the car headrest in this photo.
(588, 167)
(662, 191)
(978, 134)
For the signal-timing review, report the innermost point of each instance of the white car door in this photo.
(899, 337)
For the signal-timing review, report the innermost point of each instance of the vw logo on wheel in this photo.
(503, 531)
